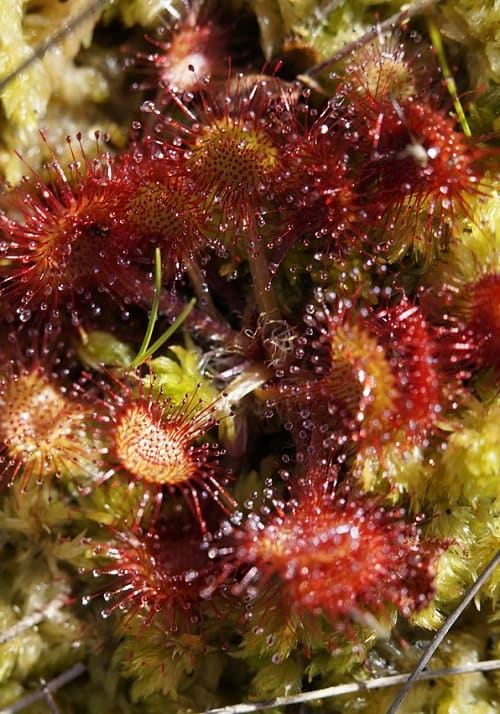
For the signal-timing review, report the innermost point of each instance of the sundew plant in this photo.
(249, 366)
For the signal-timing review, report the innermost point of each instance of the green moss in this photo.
(471, 462)
(180, 373)
(104, 349)
(475, 25)
(252, 648)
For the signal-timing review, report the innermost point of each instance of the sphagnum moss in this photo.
(330, 405)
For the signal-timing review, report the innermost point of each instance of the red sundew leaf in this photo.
(232, 151)
(483, 320)
(415, 169)
(412, 354)
(335, 556)
(390, 68)
(164, 209)
(155, 441)
(369, 377)
(160, 573)
(319, 190)
(467, 323)
(64, 249)
(43, 426)
(419, 175)
(197, 47)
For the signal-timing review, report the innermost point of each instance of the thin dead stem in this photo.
(339, 690)
(52, 41)
(396, 20)
(30, 621)
(354, 688)
(443, 631)
(46, 689)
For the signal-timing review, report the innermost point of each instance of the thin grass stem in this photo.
(437, 43)
(146, 350)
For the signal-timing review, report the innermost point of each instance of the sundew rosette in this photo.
(293, 488)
